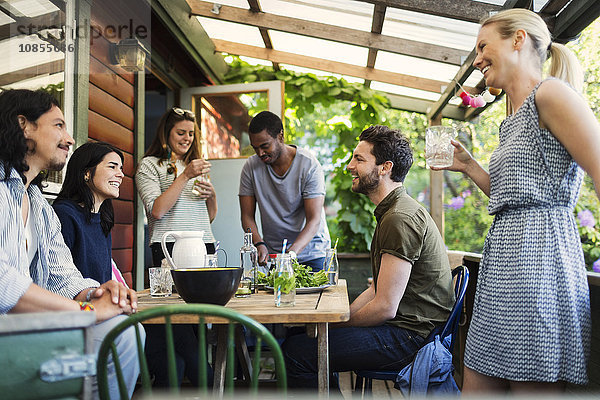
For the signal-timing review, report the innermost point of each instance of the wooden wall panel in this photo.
(103, 77)
(100, 50)
(123, 211)
(122, 236)
(128, 165)
(110, 107)
(111, 114)
(102, 128)
(124, 260)
(128, 161)
(126, 191)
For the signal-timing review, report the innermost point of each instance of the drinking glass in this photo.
(244, 288)
(331, 266)
(439, 151)
(211, 261)
(160, 282)
(284, 282)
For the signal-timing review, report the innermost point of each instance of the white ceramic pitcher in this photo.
(189, 250)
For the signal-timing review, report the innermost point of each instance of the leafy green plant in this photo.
(587, 212)
(467, 221)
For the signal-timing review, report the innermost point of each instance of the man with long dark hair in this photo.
(36, 268)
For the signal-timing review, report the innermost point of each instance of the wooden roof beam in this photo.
(573, 19)
(329, 32)
(465, 71)
(335, 67)
(31, 26)
(421, 106)
(553, 7)
(461, 76)
(51, 67)
(376, 27)
(470, 11)
(264, 33)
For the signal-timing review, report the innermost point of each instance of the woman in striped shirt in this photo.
(172, 183)
(175, 196)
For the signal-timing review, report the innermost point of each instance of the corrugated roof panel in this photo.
(415, 66)
(430, 29)
(345, 13)
(29, 8)
(231, 31)
(316, 72)
(325, 49)
(404, 91)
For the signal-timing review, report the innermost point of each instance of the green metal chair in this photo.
(202, 310)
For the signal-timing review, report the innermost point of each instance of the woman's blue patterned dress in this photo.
(531, 317)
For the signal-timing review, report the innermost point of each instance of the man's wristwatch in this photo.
(260, 244)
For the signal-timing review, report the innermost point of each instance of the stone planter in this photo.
(355, 268)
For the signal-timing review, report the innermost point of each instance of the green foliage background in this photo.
(327, 114)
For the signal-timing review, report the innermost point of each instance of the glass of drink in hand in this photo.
(197, 188)
(439, 151)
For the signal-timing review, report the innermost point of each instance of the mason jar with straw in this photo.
(284, 282)
(331, 265)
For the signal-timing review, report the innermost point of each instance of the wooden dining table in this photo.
(315, 310)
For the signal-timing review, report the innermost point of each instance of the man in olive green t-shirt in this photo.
(412, 283)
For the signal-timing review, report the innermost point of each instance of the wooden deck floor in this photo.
(381, 389)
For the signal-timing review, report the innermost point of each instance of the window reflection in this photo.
(33, 45)
(224, 122)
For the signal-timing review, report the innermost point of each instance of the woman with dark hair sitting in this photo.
(94, 175)
(85, 210)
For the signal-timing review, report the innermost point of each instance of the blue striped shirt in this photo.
(52, 267)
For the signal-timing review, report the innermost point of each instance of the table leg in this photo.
(219, 367)
(323, 359)
(242, 353)
(221, 357)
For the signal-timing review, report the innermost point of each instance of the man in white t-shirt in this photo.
(288, 184)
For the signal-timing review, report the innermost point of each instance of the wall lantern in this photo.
(130, 54)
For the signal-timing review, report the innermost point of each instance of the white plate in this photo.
(302, 290)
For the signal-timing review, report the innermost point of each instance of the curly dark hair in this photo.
(86, 158)
(390, 145)
(266, 120)
(13, 146)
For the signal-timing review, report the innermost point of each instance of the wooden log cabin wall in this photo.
(111, 119)
(182, 56)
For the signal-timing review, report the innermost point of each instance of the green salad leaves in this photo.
(303, 274)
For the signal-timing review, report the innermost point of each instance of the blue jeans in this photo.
(378, 347)
(186, 354)
(128, 356)
(315, 264)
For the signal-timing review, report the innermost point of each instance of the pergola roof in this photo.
(417, 51)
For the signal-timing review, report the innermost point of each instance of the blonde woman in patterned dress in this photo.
(530, 329)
